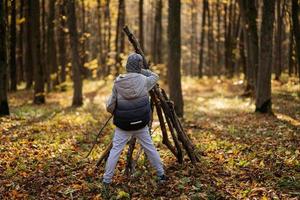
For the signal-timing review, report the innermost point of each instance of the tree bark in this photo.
(157, 39)
(296, 30)
(141, 23)
(21, 45)
(62, 40)
(210, 40)
(39, 96)
(278, 52)
(77, 79)
(219, 55)
(83, 37)
(13, 42)
(263, 92)
(174, 56)
(4, 109)
(203, 32)
(29, 68)
(44, 45)
(249, 16)
(101, 57)
(193, 38)
(51, 48)
(119, 42)
(107, 40)
(291, 50)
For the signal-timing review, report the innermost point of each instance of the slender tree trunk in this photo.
(77, 79)
(120, 40)
(4, 109)
(263, 93)
(44, 45)
(296, 29)
(13, 42)
(157, 39)
(203, 32)
(101, 56)
(62, 40)
(237, 33)
(210, 40)
(122, 21)
(249, 15)
(228, 36)
(21, 41)
(193, 39)
(291, 51)
(51, 47)
(107, 36)
(242, 52)
(174, 56)
(218, 37)
(39, 96)
(83, 37)
(141, 23)
(278, 67)
(230, 39)
(29, 68)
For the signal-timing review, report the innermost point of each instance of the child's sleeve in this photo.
(152, 78)
(112, 101)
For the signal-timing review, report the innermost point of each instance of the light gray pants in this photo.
(120, 139)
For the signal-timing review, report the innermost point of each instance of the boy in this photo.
(130, 105)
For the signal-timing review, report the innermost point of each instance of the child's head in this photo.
(134, 63)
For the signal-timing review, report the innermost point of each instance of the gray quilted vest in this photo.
(133, 108)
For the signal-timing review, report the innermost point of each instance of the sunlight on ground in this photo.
(289, 119)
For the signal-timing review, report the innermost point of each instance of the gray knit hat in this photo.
(134, 63)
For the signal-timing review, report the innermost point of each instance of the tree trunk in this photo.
(277, 64)
(13, 42)
(241, 47)
(21, 41)
(29, 68)
(62, 40)
(119, 36)
(219, 55)
(101, 57)
(77, 79)
(230, 39)
(174, 56)
(141, 23)
(107, 36)
(39, 96)
(263, 92)
(83, 37)
(44, 45)
(4, 109)
(193, 39)
(203, 32)
(210, 40)
(249, 16)
(296, 29)
(291, 51)
(157, 39)
(51, 47)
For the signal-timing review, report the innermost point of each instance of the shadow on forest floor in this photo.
(245, 155)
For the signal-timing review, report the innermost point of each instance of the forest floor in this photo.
(245, 155)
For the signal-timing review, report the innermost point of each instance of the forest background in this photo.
(231, 67)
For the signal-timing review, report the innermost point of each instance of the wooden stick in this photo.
(164, 130)
(129, 166)
(105, 154)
